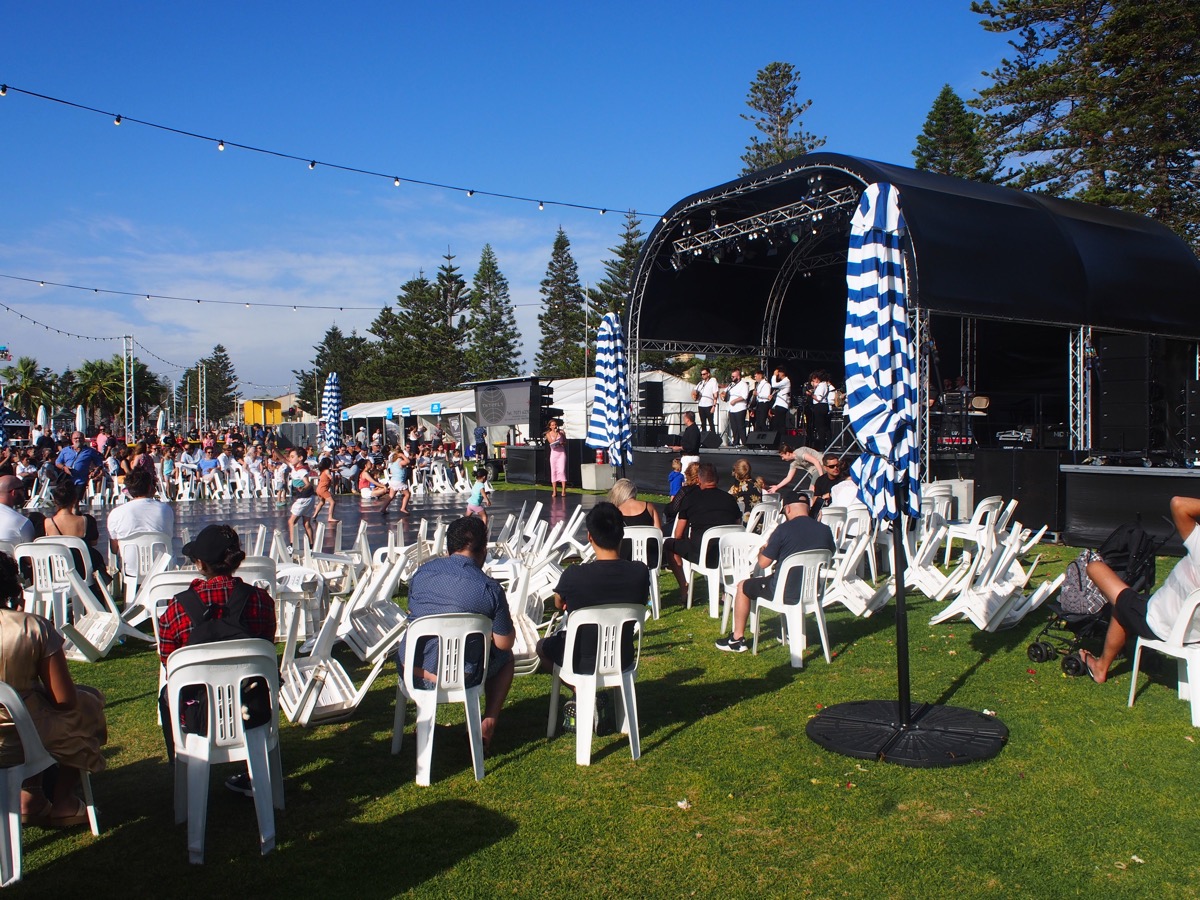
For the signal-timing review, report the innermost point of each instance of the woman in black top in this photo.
(623, 495)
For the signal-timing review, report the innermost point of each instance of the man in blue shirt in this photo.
(456, 583)
(78, 461)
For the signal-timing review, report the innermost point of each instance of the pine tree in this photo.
(453, 299)
(777, 115)
(613, 292)
(1099, 102)
(337, 352)
(493, 341)
(563, 319)
(221, 382)
(951, 143)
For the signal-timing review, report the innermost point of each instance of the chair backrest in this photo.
(987, 510)
(710, 545)
(452, 630)
(609, 621)
(644, 545)
(49, 564)
(37, 758)
(222, 666)
(810, 586)
(835, 517)
(858, 519)
(139, 551)
(258, 568)
(78, 547)
(739, 554)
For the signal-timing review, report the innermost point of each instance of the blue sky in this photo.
(618, 105)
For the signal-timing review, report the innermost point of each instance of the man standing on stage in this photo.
(781, 397)
(705, 394)
(737, 395)
(762, 400)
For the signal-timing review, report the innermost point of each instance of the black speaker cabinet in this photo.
(763, 440)
(710, 440)
(1191, 404)
(650, 401)
(1029, 476)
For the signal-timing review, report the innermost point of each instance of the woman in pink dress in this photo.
(557, 439)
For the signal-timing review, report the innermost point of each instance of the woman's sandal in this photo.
(38, 818)
(79, 817)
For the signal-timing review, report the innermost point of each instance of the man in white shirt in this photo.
(781, 397)
(142, 513)
(762, 401)
(737, 395)
(14, 527)
(1151, 618)
(706, 393)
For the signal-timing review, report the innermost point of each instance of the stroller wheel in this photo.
(1049, 649)
(1037, 652)
(1073, 665)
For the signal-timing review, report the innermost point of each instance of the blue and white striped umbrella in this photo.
(881, 377)
(331, 411)
(608, 427)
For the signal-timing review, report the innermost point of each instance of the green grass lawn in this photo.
(1089, 797)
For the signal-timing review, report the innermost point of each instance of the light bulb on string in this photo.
(603, 211)
(220, 145)
(470, 193)
(3, 89)
(541, 205)
(312, 165)
(396, 182)
(117, 120)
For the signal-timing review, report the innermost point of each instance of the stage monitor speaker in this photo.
(1191, 413)
(650, 399)
(762, 440)
(651, 436)
(710, 440)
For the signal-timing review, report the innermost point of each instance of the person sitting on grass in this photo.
(1153, 617)
(456, 583)
(797, 534)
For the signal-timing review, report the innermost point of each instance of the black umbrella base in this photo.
(935, 736)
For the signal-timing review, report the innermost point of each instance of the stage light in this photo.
(220, 145)
(312, 165)
(117, 120)
(795, 236)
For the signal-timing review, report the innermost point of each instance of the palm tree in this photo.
(27, 385)
(99, 387)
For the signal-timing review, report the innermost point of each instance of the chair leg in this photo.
(475, 732)
(823, 631)
(398, 720)
(426, 721)
(1137, 661)
(10, 845)
(585, 721)
(181, 790)
(714, 595)
(552, 721)
(85, 782)
(797, 639)
(259, 764)
(756, 616)
(276, 777)
(1185, 683)
(629, 702)
(197, 798)
(655, 602)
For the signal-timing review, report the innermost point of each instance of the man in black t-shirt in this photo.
(689, 441)
(609, 579)
(797, 534)
(823, 486)
(700, 511)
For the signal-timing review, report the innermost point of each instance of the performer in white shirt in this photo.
(781, 397)
(762, 400)
(705, 394)
(737, 395)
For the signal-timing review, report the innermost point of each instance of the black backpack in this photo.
(1129, 551)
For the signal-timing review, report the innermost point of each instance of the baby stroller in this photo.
(1080, 614)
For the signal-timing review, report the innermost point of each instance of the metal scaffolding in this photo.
(128, 368)
(1083, 354)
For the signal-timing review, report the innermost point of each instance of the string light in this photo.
(3, 89)
(396, 182)
(312, 163)
(140, 294)
(220, 145)
(541, 205)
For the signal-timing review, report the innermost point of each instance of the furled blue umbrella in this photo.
(80, 420)
(42, 419)
(331, 410)
(608, 427)
(881, 405)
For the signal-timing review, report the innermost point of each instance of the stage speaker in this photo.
(1056, 437)
(650, 399)
(1029, 476)
(651, 436)
(1125, 382)
(1191, 416)
(710, 440)
(762, 440)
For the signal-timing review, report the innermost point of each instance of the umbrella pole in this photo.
(899, 565)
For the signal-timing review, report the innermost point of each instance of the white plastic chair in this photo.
(709, 549)
(980, 530)
(835, 517)
(609, 621)
(795, 604)
(49, 589)
(762, 519)
(79, 550)
(739, 556)
(452, 631)
(646, 546)
(139, 552)
(221, 667)
(37, 759)
(1182, 644)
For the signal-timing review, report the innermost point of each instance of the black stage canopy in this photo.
(756, 266)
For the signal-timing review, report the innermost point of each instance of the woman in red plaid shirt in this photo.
(217, 553)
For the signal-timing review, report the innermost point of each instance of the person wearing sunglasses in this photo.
(826, 482)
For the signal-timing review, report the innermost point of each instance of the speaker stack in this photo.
(1125, 393)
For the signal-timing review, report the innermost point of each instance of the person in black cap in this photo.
(217, 553)
(797, 534)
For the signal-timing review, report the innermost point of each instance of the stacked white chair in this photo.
(979, 531)
(845, 586)
(221, 668)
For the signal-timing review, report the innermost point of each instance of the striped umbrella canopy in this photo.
(881, 376)
(331, 410)
(609, 427)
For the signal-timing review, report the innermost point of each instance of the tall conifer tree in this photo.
(493, 341)
(951, 142)
(563, 319)
(777, 115)
(612, 293)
